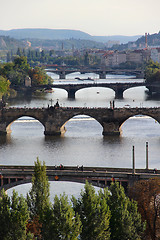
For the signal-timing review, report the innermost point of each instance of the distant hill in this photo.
(152, 40)
(119, 38)
(7, 43)
(61, 34)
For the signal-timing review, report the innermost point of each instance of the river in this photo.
(83, 142)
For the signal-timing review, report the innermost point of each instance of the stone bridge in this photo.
(54, 118)
(119, 88)
(11, 176)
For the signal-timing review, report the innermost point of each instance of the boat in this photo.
(84, 79)
(48, 90)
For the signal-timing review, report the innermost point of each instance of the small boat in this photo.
(84, 79)
(50, 90)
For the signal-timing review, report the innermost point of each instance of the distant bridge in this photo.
(62, 71)
(54, 118)
(119, 88)
(11, 176)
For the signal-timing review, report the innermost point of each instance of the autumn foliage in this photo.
(147, 194)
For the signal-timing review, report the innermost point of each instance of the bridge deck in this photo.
(11, 176)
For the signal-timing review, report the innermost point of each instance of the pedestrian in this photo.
(113, 104)
(82, 168)
(155, 170)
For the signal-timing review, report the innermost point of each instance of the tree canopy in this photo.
(147, 194)
(4, 86)
(152, 72)
(125, 220)
(17, 71)
(94, 214)
(13, 217)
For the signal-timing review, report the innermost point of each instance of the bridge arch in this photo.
(90, 122)
(129, 92)
(18, 182)
(60, 90)
(97, 91)
(20, 117)
(139, 122)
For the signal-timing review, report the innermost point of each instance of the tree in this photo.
(65, 223)
(152, 72)
(38, 197)
(13, 216)
(39, 76)
(8, 57)
(147, 194)
(20, 63)
(86, 59)
(4, 85)
(19, 52)
(94, 213)
(125, 222)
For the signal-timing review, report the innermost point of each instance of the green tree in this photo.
(13, 216)
(152, 72)
(20, 63)
(19, 52)
(8, 57)
(125, 222)
(86, 59)
(4, 86)
(65, 223)
(38, 197)
(94, 213)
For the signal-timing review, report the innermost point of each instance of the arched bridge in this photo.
(62, 71)
(11, 176)
(119, 88)
(54, 118)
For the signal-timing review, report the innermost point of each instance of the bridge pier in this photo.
(62, 75)
(119, 93)
(111, 129)
(71, 93)
(53, 130)
(4, 129)
(102, 75)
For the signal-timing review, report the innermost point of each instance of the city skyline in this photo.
(101, 18)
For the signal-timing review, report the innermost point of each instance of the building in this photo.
(135, 56)
(113, 58)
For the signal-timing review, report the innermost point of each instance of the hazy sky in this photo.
(96, 17)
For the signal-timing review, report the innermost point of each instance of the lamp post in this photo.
(133, 160)
(146, 155)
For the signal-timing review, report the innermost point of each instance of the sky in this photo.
(95, 17)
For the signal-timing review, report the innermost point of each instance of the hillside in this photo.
(61, 34)
(7, 43)
(67, 44)
(152, 40)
